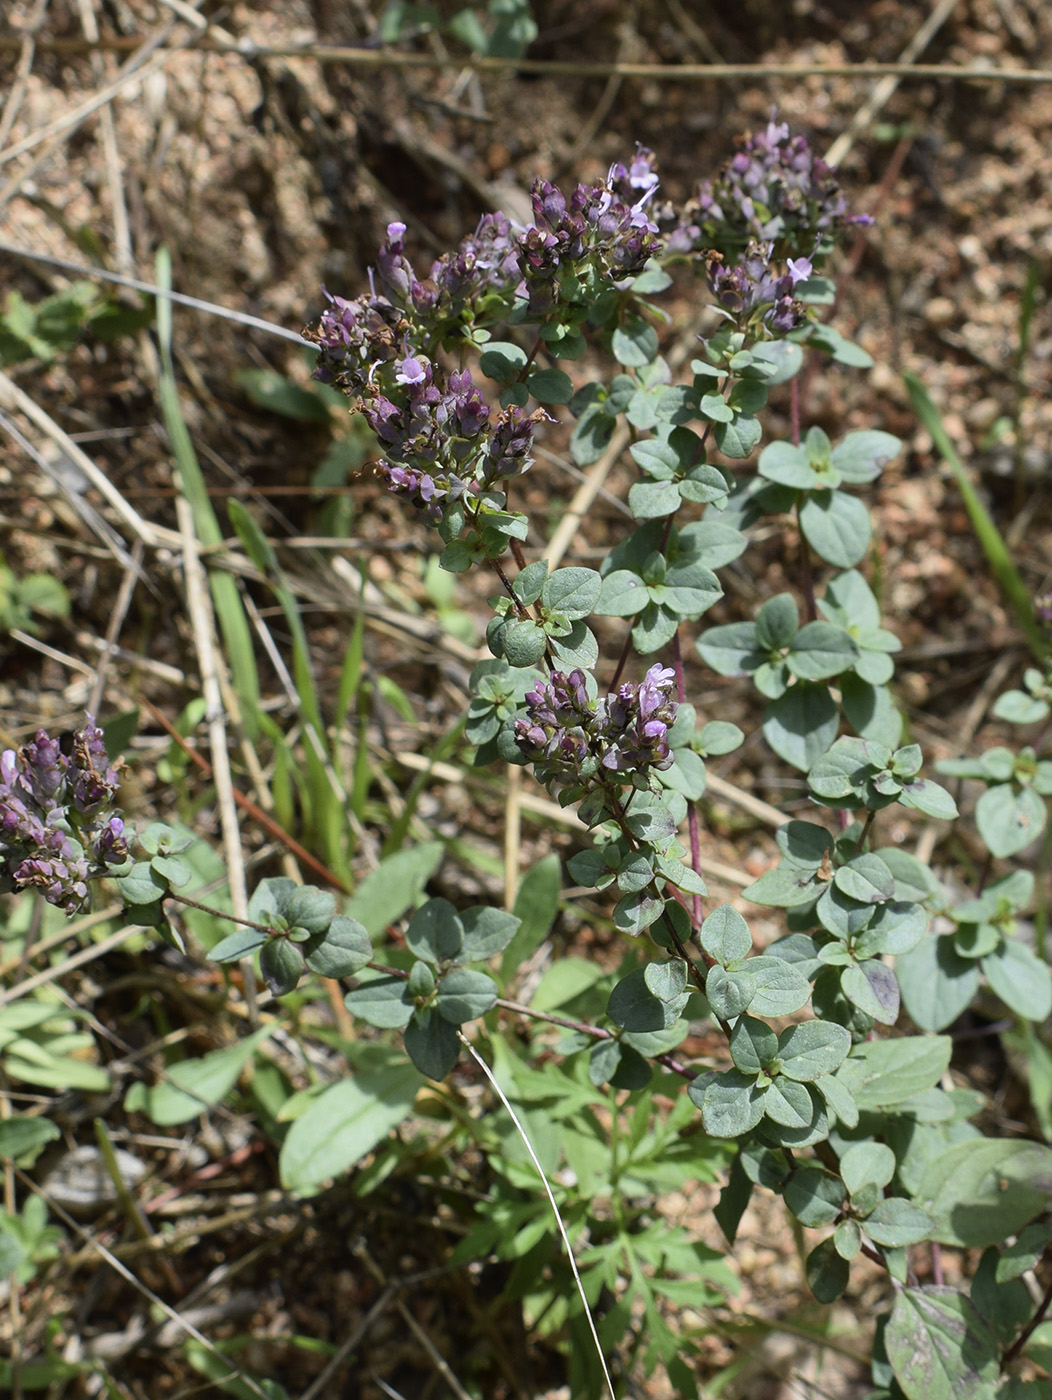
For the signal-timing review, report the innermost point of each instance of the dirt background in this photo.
(269, 176)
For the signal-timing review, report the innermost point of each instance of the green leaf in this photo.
(786, 358)
(173, 869)
(591, 436)
(861, 456)
(753, 1045)
(1020, 979)
(659, 457)
(464, 995)
(828, 1274)
(241, 944)
(812, 1049)
(847, 1239)
(784, 887)
(34, 1064)
(843, 351)
(896, 1222)
(820, 650)
(1016, 707)
(191, 1087)
(1023, 1253)
(729, 993)
(865, 878)
(711, 542)
(734, 1198)
(936, 982)
(777, 622)
(841, 777)
(523, 642)
(880, 1073)
(719, 736)
(547, 386)
(738, 438)
(380, 1000)
(502, 361)
(347, 1120)
(814, 1196)
(421, 981)
(873, 988)
(341, 951)
(142, 888)
(635, 912)
(310, 908)
(394, 886)
(604, 1060)
(636, 1006)
(790, 1104)
(635, 344)
(839, 1099)
(22, 1137)
(939, 1347)
(725, 935)
(984, 1189)
(623, 594)
(574, 592)
(487, 932)
(781, 988)
(867, 1165)
(435, 932)
(564, 981)
(836, 526)
(653, 500)
(788, 466)
(1009, 819)
(716, 409)
(279, 395)
(431, 1042)
(732, 1104)
(280, 966)
(929, 798)
(802, 724)
(732, 650)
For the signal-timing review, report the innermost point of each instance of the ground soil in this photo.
(267, 177)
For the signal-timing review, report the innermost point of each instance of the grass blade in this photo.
(237, 636)
(989, 536)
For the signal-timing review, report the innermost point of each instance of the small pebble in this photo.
(80, 1182)
(940, 312)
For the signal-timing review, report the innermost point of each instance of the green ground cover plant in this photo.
(821, 1092)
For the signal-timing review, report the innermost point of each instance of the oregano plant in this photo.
(821, 1092)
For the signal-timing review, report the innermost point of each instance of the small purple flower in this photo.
(411, 371)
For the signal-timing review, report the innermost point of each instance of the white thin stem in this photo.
(551, 1200)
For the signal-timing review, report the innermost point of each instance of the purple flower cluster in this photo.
(440, 442)
(774, 189)
(569, 737)
(599, 231)
(753, 289)
(602, 232)
(55, 834)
